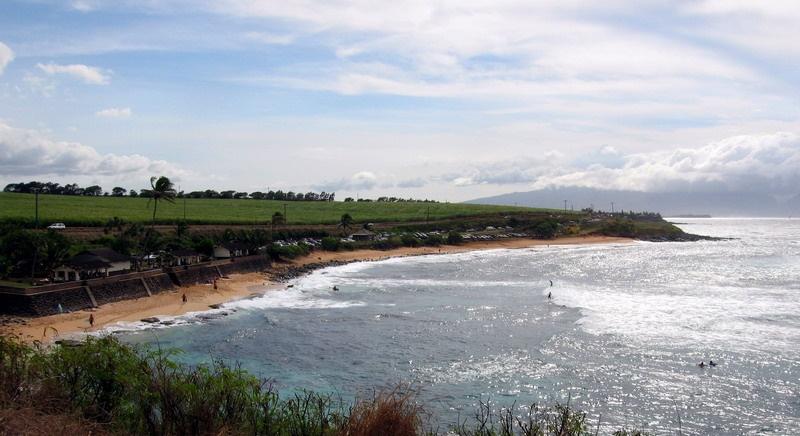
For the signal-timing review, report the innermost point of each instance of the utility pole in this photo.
(565, 205)
(35, 244)
(183, 194)
(612, 207)
(36, 193)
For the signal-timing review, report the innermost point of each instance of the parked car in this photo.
(57, 226)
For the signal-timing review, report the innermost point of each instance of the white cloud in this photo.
(82, 5)
(360, 181)
(746, 163)
(85, 73)
(30, 153)
(269, 38)
(114, 112)
(6, 56)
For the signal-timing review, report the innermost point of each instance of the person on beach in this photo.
(91, 320)
(215, 283)
(183, 298)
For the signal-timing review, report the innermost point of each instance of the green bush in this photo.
(434, 240)
(330, 243)
(454, 238)
(288, 251)
(410, 240)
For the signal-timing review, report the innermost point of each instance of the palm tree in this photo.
(163, 189)
(345, 222)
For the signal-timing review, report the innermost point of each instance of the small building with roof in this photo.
(90, 264)
(363, 235)
(227, 250)
(185, 256)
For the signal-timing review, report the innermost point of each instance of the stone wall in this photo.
(111, 291)
(44, 300)
(70, 299)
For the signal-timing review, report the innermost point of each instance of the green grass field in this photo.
(90, 211)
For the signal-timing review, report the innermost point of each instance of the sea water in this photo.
(620, 339)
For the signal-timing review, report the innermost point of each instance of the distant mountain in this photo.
(666, 203)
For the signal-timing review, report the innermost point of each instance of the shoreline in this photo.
(239, 286)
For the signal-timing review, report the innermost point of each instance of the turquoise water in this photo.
(621, 337)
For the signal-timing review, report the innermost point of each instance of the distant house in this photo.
(89, 264)
(185, 257)
(363, 235)
(230, 249)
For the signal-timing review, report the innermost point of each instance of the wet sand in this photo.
(199, 297)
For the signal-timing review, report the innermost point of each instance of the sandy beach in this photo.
(199, 297)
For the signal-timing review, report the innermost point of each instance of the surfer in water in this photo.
(549, 295)
(711, 363)
(702, 365)
(551, 283)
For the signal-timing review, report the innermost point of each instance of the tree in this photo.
(345, 222)
(118, 192)
(93, 190)
(133, 193)
(162, 189)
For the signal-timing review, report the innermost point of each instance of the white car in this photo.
(57, 226)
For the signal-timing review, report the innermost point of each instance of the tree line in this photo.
(117, 191)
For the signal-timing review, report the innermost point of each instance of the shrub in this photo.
(410, 240)
(434, 240)
(288, 251)
(330, 243)
(454, 238)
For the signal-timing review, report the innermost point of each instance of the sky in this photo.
(448, 100)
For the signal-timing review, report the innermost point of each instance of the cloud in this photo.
(30, 153)
(746, 163)
(87, 74)
(269, 38)
(360, 181)
(114, 112)
(6, 56)
(508, 172)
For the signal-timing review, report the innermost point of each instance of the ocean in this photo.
(621, 337)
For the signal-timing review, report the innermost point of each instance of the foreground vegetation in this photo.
(96, 211)
(102, 386)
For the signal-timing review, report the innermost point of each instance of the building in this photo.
(90, 264)
(363, 235)
(228, 250)
(186, 256)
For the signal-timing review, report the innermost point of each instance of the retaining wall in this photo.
(44, 300)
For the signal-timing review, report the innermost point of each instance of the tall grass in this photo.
(105, 387)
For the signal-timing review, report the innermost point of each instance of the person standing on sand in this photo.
(183, 298)
(91, 320)
(215, 283)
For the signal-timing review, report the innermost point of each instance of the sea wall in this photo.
(71, 296)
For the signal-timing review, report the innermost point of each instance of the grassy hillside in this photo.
(74, 210)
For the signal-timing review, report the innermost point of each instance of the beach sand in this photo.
(199, 297)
